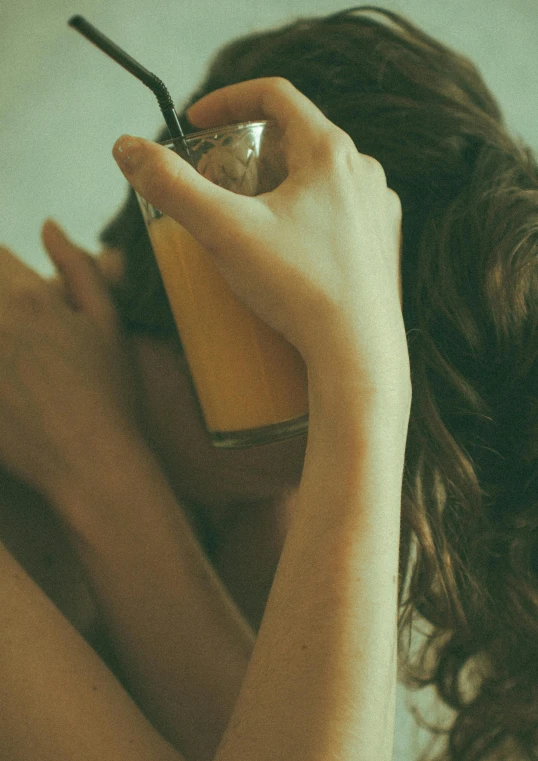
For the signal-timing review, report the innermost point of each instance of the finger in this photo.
(57, 284)
(175, 188)
(300, 120)
(86, 285)
(112, 265)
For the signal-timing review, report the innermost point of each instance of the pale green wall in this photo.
(63, 103)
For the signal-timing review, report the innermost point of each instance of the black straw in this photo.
(155, 84)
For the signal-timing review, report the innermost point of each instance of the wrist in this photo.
(342, 393)
(346, 360)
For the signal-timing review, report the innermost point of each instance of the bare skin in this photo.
(236, 501)
(78, 438)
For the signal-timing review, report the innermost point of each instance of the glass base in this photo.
(257, 436)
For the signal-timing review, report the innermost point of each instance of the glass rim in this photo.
(216, 131)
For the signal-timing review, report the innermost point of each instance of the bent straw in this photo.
(155, 84)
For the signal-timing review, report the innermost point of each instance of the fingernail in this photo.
(126, 152)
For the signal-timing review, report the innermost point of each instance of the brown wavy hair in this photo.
(469, 192)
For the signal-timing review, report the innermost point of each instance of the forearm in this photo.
(181, 642)
(59, 701)
(322, 678)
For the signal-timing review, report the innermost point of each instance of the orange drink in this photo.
(250, 382)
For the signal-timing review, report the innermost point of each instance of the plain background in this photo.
(63, 103)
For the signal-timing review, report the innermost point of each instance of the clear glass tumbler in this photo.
(250, 382)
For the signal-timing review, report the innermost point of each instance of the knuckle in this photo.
(334, 147)
(374, 168)
(280, 84)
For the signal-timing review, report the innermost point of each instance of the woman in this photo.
(466, 488)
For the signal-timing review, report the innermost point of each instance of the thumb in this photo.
(84, 281)
(173, 186)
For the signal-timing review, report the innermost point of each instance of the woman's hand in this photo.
(66, 381)
(318, 258)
